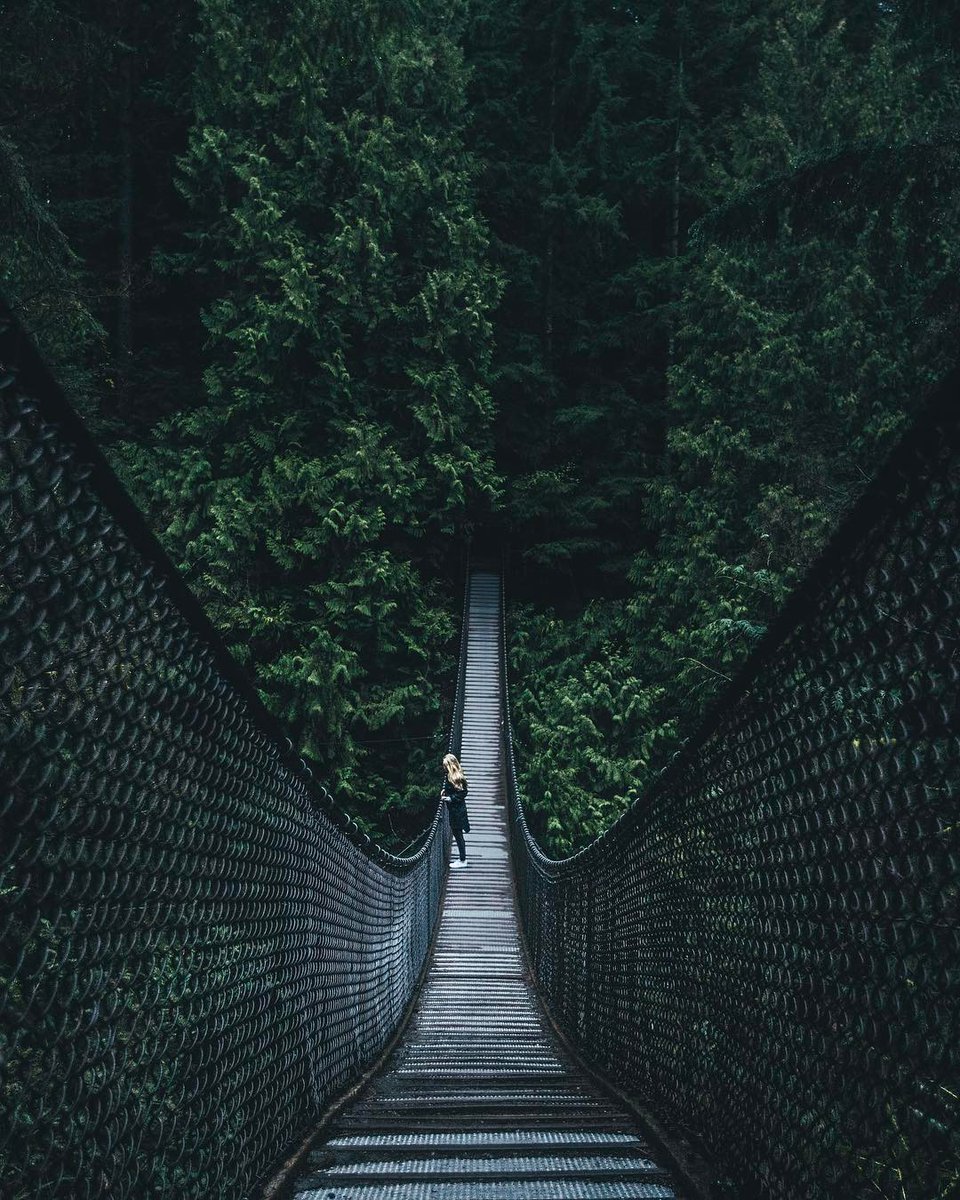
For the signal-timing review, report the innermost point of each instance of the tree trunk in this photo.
(125, 282)
(675, 206)
(548, 300)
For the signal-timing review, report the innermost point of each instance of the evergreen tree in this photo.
(92, 114)
(559, 137)
(595, 123)
(343, 439)
(797, 342)
(815, 312)
(670, 422)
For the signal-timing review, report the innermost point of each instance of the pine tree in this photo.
(91, 105)
(816, 306)
(343, 440)
(805, 327)
(556, 125)
(595, 123)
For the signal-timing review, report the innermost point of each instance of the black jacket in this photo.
(456, 798)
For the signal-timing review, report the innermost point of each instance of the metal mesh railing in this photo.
(198, 948)
(766, 949)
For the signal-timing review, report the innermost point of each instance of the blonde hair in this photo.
(454, 771)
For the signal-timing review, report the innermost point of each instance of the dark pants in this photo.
(461, 845)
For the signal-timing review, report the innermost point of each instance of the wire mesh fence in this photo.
(766, 948)
(198, 948)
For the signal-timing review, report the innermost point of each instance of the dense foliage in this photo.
(343, 431)
(656, 285)
(324, 424)
(812, 301)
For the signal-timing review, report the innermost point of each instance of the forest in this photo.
(642, 292)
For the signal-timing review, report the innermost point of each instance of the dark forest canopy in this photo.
(653, 287)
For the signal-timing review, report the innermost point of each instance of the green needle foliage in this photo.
(653, 285)
(344, 432)
(815, 305)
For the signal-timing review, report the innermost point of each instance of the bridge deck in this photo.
(479, 1101)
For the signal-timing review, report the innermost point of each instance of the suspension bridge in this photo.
(213, 984)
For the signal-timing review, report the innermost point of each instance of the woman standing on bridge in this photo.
(454, 791)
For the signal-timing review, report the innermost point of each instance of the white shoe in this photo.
(458, 865)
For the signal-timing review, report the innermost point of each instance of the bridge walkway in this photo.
(479, 1102)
